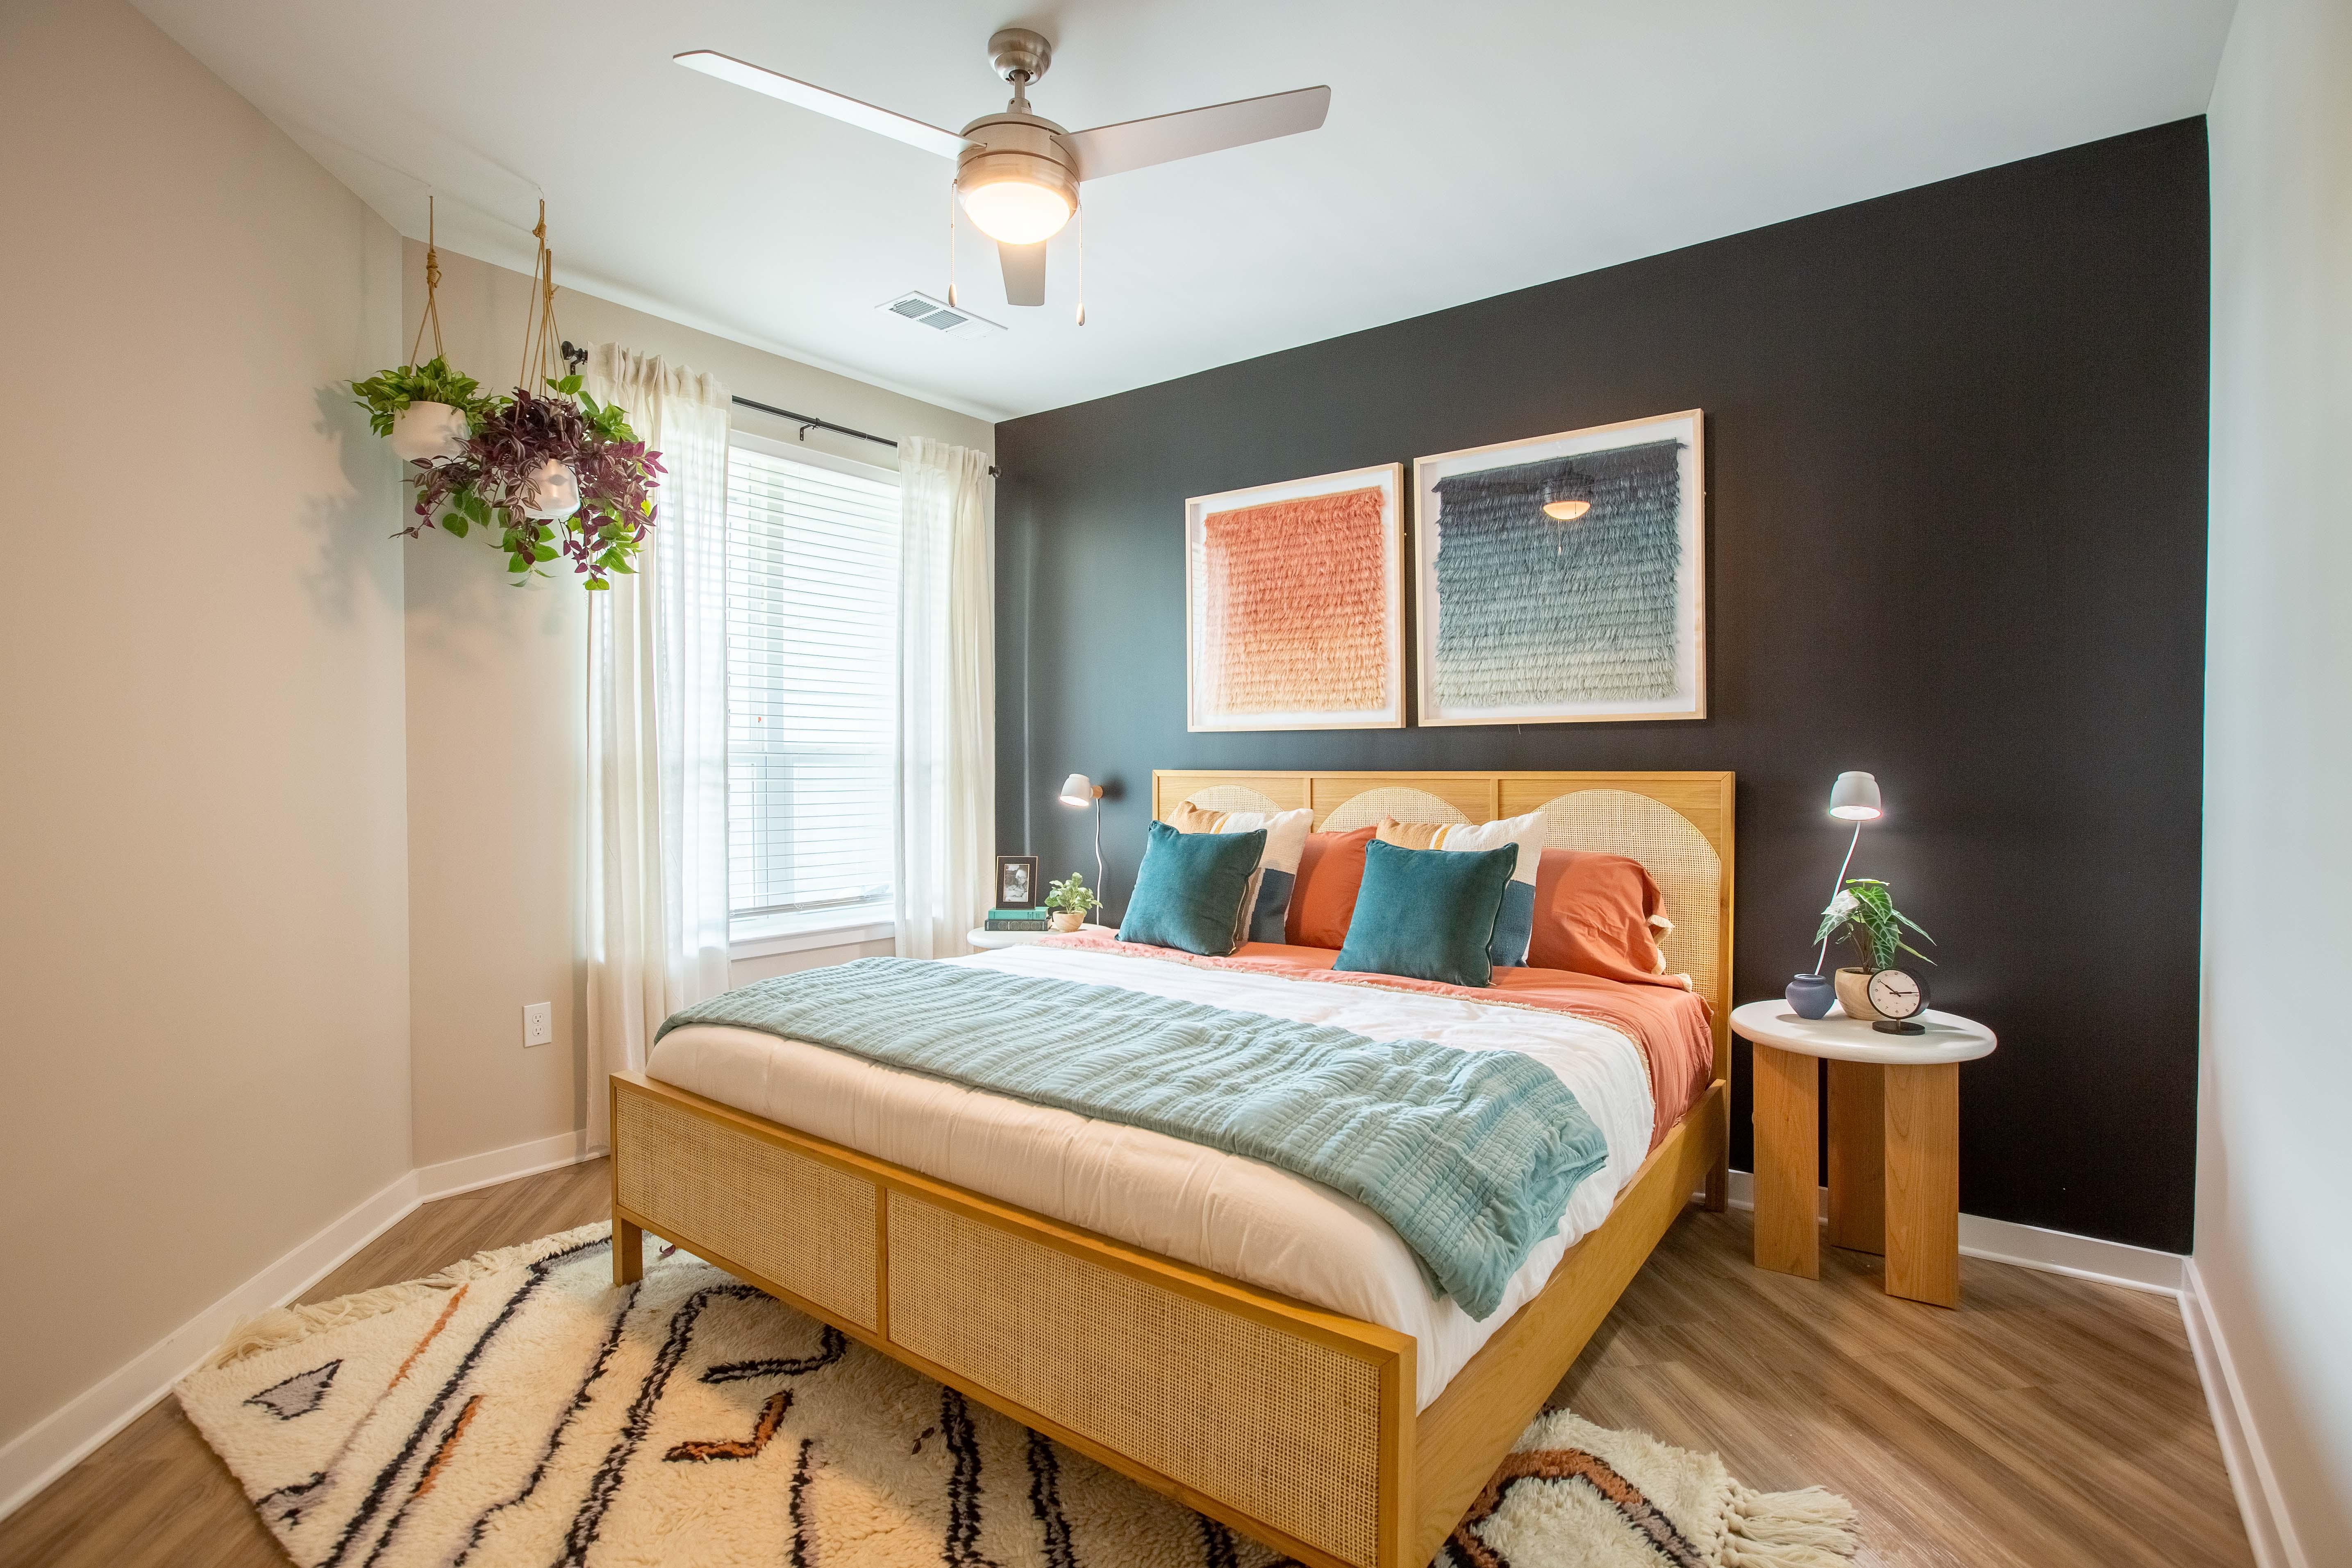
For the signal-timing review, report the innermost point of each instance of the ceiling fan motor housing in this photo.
(1017, 147)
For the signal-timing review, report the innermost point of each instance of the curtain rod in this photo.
(808, 422)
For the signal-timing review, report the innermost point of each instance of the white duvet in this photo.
(1236, 1215)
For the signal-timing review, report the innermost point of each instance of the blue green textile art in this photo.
(1533, 611)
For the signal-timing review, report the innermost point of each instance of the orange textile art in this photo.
(1296, 602)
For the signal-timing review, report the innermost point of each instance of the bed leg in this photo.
(628, 1252)
(1719, 1183)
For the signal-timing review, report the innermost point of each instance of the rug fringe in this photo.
(1810, 1529)
(288, 1325)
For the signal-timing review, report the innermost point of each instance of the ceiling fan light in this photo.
(1566, 510)
(1015, 211)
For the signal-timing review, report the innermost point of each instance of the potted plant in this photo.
(1071, 901)
(426, 409)
(1864, 912)
(553, 474)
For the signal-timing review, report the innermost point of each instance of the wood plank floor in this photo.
(2048, 1423)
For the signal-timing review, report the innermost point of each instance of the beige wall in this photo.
(203, 910)
(496, 699)
(2274, 1234)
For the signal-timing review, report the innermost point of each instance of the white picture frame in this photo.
(1209, 629)
(1446, 680)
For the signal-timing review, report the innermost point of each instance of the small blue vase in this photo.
(1810, 996)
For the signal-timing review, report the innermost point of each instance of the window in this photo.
(812, 689)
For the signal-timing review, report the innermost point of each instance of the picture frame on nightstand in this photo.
(1016, 882)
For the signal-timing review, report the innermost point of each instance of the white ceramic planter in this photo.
(554, 492)
(429, 433)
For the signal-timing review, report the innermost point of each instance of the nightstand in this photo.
(982, 937)
(1894, 1142)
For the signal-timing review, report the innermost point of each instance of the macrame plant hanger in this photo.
(543, 345)
(432, 292)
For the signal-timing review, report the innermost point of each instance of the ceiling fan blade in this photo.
(742, 73)
(1024, 272)
(1164, 138)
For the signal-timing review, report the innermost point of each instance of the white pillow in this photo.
(1266, 905)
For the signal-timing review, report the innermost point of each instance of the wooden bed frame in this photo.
(1294, 1424)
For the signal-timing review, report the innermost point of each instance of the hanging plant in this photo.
(427, 409)
(543, 474)
(555, 475)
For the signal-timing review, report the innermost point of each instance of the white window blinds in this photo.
(812, 685)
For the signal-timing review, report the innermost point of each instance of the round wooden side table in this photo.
(982, 937)
(1894, 1142)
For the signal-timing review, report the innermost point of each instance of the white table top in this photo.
(1949, 1037)
(981, 936)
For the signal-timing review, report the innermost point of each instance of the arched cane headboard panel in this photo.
(1367, 808)
(1679, 825)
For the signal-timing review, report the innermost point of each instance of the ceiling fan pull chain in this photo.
(951, 239)
(1081, 216)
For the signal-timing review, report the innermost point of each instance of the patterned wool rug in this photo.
(517, 1411)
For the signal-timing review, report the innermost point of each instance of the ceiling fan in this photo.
(1017, 173)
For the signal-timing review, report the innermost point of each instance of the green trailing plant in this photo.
(490, 486)
(1864, 912)
(386, 393)
(1072, 893)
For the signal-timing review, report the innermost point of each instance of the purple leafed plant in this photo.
(513, 439)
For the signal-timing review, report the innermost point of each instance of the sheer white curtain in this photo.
(947, 697)
(653, 899)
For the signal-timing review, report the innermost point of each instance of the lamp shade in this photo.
(1855, 798)
(1079, 789)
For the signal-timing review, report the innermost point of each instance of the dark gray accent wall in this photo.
(1956, 442)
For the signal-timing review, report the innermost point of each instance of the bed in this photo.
(1176, 1314)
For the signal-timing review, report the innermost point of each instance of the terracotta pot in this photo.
(1853, 995)
(1068, 920)
(428, 432)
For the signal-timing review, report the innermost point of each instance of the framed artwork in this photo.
(1016, 882)
(1293, 601)
(1562, 579)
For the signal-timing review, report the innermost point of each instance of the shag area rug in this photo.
(518, 1411)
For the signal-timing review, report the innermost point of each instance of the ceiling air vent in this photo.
(924, 311)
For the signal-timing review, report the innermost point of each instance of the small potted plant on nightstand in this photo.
(1071, 901)
(1864, 912)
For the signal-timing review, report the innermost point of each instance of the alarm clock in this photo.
(1900, 996)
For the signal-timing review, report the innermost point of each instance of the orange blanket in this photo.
(1669, 1027)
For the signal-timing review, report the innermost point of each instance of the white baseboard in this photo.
(41, 1454)
(2030, 1246)
(450, 1177)
(63, 1439)
(2260, 1502)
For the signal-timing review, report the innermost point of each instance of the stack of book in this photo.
(1018, 920)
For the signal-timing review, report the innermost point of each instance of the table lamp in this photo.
(1080, 790)
(1853, 798)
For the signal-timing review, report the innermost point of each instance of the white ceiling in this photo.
(1472, 149)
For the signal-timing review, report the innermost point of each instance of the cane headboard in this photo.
(1678, 825)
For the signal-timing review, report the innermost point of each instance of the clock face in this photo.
(1899, 993)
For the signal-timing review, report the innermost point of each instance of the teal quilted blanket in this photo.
(1469, 1156)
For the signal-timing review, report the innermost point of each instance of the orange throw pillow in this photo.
(1598, 914)
(1324, 900)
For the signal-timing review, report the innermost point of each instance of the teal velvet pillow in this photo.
(1428, 914)
(1188, 895)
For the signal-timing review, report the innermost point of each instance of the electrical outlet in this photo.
(539, 1023)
